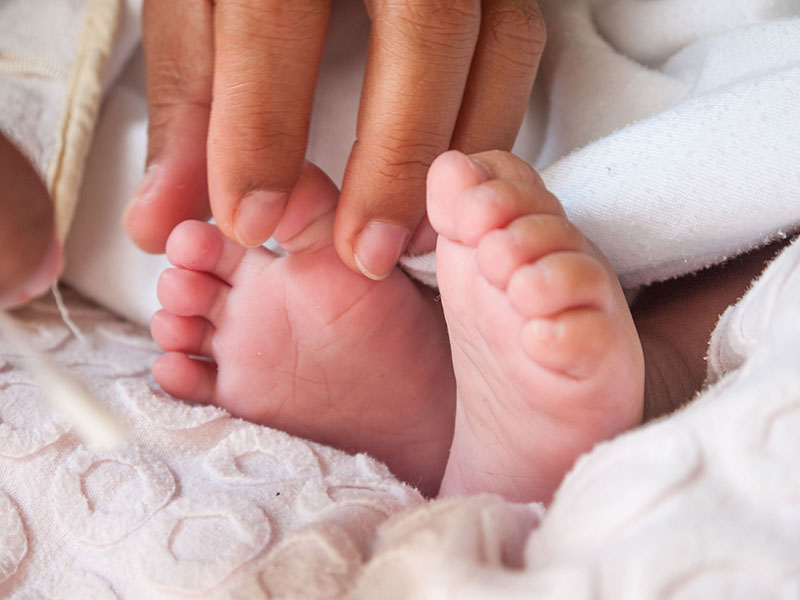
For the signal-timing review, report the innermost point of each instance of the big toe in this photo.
(200, 246)
(307, 222)
(468, 196)
(450, 174)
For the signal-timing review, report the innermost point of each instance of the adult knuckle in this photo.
(292, 16)
(397, 169)
(517, 21)
(438, 16)
(407, 158)
(170, 76)
(272, 137)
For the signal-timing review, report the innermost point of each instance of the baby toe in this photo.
(497, 202)
(186, 378)
(449, 175)
(188, 293)
(526, 239)
(572, 343)
(201, 246)
(189, 335)
(557, 282)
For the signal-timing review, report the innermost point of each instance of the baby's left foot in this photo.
(546, 356)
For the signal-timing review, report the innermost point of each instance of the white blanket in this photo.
(679, 126)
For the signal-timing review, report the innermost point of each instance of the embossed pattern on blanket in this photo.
(703, 504)
(199, 503)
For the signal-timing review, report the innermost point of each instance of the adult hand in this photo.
(231, 85)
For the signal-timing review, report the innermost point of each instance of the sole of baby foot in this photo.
(30, 257)
(303, 344)
(546, 356)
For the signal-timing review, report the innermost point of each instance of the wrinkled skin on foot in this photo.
(546, 356)
(303, 344)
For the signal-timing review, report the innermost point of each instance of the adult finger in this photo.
(178, 46)
(417, 66)
(267, 59)
(507, 56)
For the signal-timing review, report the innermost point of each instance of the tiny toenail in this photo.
(378, 248)
(484, 193)
(544, 330)
(257, 215)
(481, 170)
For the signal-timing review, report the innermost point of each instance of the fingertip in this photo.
(378, 248)
(170, 193)
(257, 215)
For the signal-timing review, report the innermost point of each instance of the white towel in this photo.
(673, 127)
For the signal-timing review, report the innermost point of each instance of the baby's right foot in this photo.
(30, 257)
(546, 356)
(303, 344)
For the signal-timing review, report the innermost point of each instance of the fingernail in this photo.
(378, 248)
(482, 172)
(257, 216)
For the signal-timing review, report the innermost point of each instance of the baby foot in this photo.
(303, 344)
(546, 356)
(30, 257)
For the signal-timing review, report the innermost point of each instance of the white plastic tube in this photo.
(92, 421)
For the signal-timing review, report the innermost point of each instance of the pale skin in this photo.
(306, 345)
(303, 344)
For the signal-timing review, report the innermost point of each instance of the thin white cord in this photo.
(62, 309)
(91, 419)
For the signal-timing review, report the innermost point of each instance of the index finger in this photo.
(267, 58)
(417, 66)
